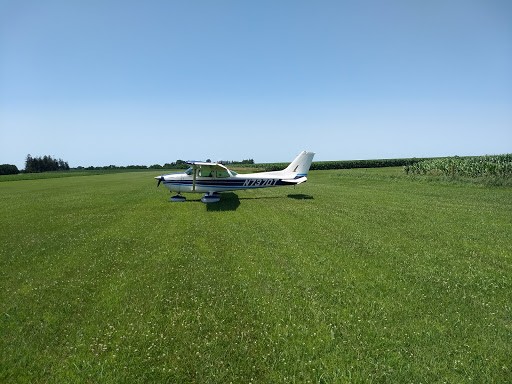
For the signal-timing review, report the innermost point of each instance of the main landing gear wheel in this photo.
(178, 199)
(210, 198)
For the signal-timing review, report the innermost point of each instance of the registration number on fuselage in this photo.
(260, 182)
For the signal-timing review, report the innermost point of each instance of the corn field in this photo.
(344, 164)
(498, 166)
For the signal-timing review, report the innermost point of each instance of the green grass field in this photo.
(356, 276)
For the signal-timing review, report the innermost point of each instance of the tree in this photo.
(8, 169)
(63, 165)
(44, 164)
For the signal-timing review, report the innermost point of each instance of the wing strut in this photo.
(194, 179)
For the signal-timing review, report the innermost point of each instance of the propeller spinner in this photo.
(160, 179)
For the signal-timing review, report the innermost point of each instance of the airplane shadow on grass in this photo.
(300, 196)
(229, 201)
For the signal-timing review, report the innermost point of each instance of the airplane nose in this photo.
(160, 179)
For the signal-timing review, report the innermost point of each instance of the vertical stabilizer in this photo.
(301, 164)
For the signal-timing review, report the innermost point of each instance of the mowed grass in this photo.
(355, 276)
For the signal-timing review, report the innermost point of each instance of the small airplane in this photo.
(212, 178)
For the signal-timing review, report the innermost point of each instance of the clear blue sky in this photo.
(148, 82)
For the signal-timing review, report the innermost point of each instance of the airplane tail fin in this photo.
(300, 165)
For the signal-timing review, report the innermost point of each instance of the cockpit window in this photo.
(209, 172)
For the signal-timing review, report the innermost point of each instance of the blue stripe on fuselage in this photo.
(234, 184)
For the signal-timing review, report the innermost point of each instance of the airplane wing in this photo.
(215, 166)
(193, 162)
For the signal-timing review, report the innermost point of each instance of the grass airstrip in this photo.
(362, 275)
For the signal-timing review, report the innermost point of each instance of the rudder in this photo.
(301, 164)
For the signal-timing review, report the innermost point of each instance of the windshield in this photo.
(189, 171)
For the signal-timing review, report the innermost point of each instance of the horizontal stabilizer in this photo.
(295, 181)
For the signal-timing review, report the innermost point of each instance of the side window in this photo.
(205, 172)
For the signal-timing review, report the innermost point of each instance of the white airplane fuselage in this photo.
(182, 182)
(210, 178)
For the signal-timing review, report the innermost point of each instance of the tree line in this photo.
(44, 164)
(48, 163)
(36, 165)
(178, 164)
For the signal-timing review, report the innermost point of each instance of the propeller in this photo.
(160, 179)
